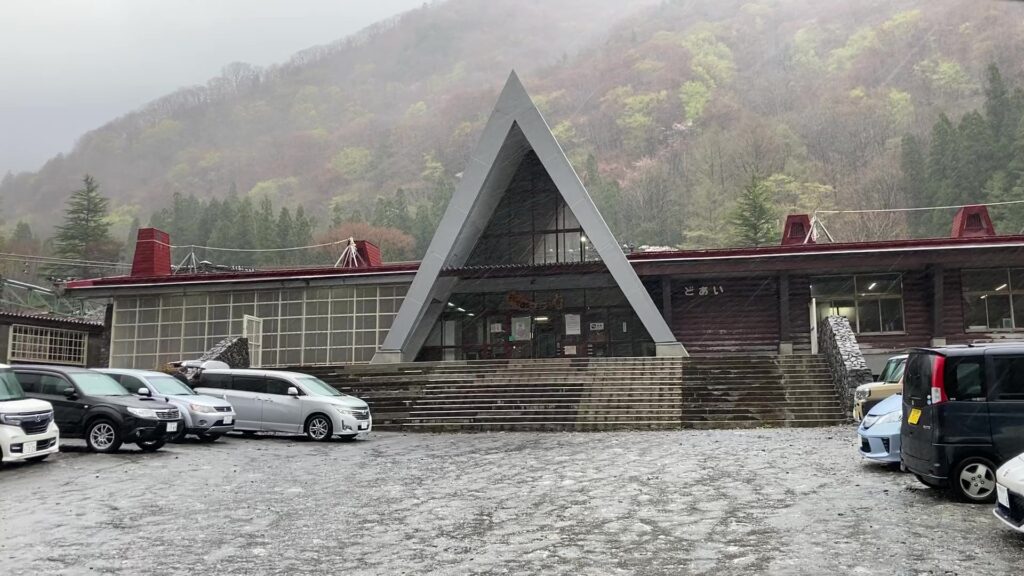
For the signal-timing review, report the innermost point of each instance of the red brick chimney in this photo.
(972, 222)
(368, 252)
(152, 253)
(797, 230)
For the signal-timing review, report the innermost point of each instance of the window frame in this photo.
(854, 297)
(1012, 292)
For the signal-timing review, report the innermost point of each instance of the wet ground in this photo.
(719, 502)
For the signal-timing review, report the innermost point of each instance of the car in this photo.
(890, 382)
(880, 431)
(289, 402)
(963, 412)
(95, 407)
(1010, 493)
(207, 417)
(27, 429)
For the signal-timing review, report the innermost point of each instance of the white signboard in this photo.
(497, 328)
(569, 350)
(572, 324)
(521, 328)
(597, 326)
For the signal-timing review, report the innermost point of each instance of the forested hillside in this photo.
(668, 111)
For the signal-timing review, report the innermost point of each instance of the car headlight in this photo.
(201, 408)
(861, 394)
(346, 411)
(891, 417)
(143, 412)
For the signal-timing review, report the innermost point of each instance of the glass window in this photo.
(317, 387)
(10, 389)
(873, 303)
(170, 386)
(964, 378)
(1008, 381)
(277, 386)
(95, 384)
(249, 384)
(29, 382)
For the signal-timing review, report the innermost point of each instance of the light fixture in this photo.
(873, 284)
(470, 314)
(450, 305)
(541, 319)
(1001, 287)
(461, 309)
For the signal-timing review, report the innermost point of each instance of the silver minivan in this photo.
(291, 402)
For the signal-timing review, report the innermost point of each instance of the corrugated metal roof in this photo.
(50, 318)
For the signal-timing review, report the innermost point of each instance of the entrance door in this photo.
(545, 337)
(814, 326)
(252, 329)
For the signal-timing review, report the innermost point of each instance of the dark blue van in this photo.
(963, 416)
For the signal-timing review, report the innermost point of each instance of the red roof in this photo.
(652, 257)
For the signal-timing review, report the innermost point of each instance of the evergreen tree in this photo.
(943, 163)
(85, 233)
(244, 234)
(975, 161)
(285, 229)
(754, 220)
(266, 222)
(998, 112)
(128, 250)
(302, 235)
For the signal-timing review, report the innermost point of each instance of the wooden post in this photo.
(666, 299)
(938, 302)
(785, 330)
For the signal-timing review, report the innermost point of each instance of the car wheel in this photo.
(151, 445)
(103, 436)
(38, 458)
(974, 480)
(318, 428)
(204, 437)
(347, 438)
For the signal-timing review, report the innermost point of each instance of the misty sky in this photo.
(68, 66)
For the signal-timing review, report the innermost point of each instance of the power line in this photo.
(62, 261)
(877, 210)
(194, 247)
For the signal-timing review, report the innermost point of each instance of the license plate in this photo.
(228, 420)
(1002, 496)
(363, 426)
(28, 447)
(915, 415)
(172, 426)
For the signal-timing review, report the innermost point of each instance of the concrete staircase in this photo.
(747, 392)
(593, 393)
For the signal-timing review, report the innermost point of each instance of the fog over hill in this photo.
(669, 110)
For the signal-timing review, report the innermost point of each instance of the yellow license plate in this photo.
(915, 415)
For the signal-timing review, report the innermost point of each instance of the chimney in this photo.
(369, 253)
(796, 231)
(152, 253)
(972, 222)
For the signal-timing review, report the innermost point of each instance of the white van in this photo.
(27, 429)
(291, 402)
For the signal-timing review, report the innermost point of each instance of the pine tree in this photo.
(998, 112)
(285, 229)
(85, 233)
(754, 220)
(302, 235)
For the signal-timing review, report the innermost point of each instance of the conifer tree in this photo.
(85, 233)
(754, 220)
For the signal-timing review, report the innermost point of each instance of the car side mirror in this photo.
(293, 391)
(143, 391)
(69, 392)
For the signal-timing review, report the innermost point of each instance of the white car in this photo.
(290, 402)
(27, 429)
(1010, 493)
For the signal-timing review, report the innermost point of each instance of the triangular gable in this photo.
(514, 128)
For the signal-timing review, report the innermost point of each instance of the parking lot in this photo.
(725, 502)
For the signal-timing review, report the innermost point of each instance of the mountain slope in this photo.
(667, 109)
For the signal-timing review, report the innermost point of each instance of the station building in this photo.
(524, 266)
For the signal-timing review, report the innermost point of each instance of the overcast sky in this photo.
(68, 66)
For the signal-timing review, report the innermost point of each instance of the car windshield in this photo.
(10, 389)
(317, 387)
(95, 384)
(894, 370)
(169, 385)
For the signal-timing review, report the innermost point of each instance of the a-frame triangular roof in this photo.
(514, 128)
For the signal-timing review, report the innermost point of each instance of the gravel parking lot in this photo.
(724, 502)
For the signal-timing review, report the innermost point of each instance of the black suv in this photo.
(963, 416)
(94, 406)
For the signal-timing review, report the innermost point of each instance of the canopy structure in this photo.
(514, 129)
